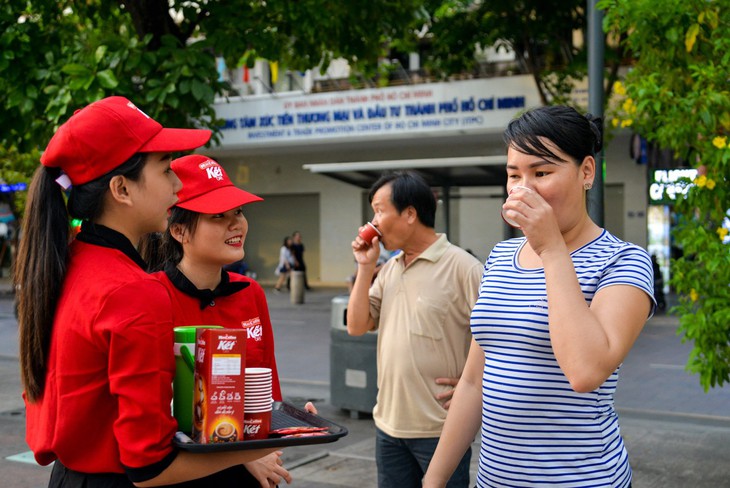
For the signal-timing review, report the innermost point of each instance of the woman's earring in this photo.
(587, 186)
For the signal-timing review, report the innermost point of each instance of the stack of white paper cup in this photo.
(257, 404)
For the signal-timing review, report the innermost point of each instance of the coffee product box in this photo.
(218, 396)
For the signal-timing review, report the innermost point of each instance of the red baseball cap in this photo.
(105, 134)
(206, 187)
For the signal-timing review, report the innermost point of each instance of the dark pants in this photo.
(62, 477)
(403, 462)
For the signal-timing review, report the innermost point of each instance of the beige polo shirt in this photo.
(422, 314)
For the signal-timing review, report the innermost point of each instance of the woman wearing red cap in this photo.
(96, 338)
(207, 230)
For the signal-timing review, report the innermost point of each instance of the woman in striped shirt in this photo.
(558, 311)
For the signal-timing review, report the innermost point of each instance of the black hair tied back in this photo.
(596, 125)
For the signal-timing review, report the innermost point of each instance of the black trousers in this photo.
(62, 477)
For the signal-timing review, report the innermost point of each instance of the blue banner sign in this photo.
(6, 188)
(463, 106)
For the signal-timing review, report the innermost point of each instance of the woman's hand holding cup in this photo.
(514, 190)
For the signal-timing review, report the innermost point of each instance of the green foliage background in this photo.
(681, 96)
(57, 56)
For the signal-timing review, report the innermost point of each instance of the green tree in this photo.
(59, 55)
(679, 98)
(539, 32)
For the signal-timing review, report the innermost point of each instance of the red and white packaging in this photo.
(218, 399)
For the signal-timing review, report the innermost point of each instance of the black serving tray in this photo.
(282, 415)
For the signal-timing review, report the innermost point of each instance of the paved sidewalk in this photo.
(677, 435)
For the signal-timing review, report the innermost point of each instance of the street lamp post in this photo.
(595, 103)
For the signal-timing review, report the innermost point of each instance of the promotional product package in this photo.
(218, 398)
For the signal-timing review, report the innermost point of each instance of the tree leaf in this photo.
(107, 79)
(691, 37)
(75, 69)
(198, 89)
(100, 53)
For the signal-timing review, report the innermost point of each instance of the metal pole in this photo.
(595, 103)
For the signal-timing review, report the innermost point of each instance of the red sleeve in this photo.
(268, 331)
(136, 320)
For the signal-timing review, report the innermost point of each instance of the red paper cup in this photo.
(262, 407)
(258, 396)
(263, 402)
(369, 232)
(258, 402)
(256, 425)
(257, 392)
(258, 371)
(262, 395)
(264, 390)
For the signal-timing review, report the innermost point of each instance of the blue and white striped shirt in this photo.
(537, 431)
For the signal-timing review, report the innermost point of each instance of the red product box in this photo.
(218, 398)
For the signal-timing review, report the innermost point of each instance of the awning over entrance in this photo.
(443, 172)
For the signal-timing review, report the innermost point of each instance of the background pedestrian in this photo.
(420, 303)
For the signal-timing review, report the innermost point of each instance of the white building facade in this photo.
(312, 157)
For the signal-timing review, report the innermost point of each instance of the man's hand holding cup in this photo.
(364, 248)
(368, 232)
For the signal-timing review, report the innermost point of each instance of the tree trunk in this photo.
(152, 17)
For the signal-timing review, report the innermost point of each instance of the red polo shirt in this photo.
(237, 303)
(106, 403)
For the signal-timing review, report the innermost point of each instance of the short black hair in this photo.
(408, 189)
(576, 135)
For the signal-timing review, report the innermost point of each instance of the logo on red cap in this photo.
(131, 105)
(211, 194)
(212, 169)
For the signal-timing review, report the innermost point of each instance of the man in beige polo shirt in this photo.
(420, 303)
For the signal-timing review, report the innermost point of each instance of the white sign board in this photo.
(457, 107)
